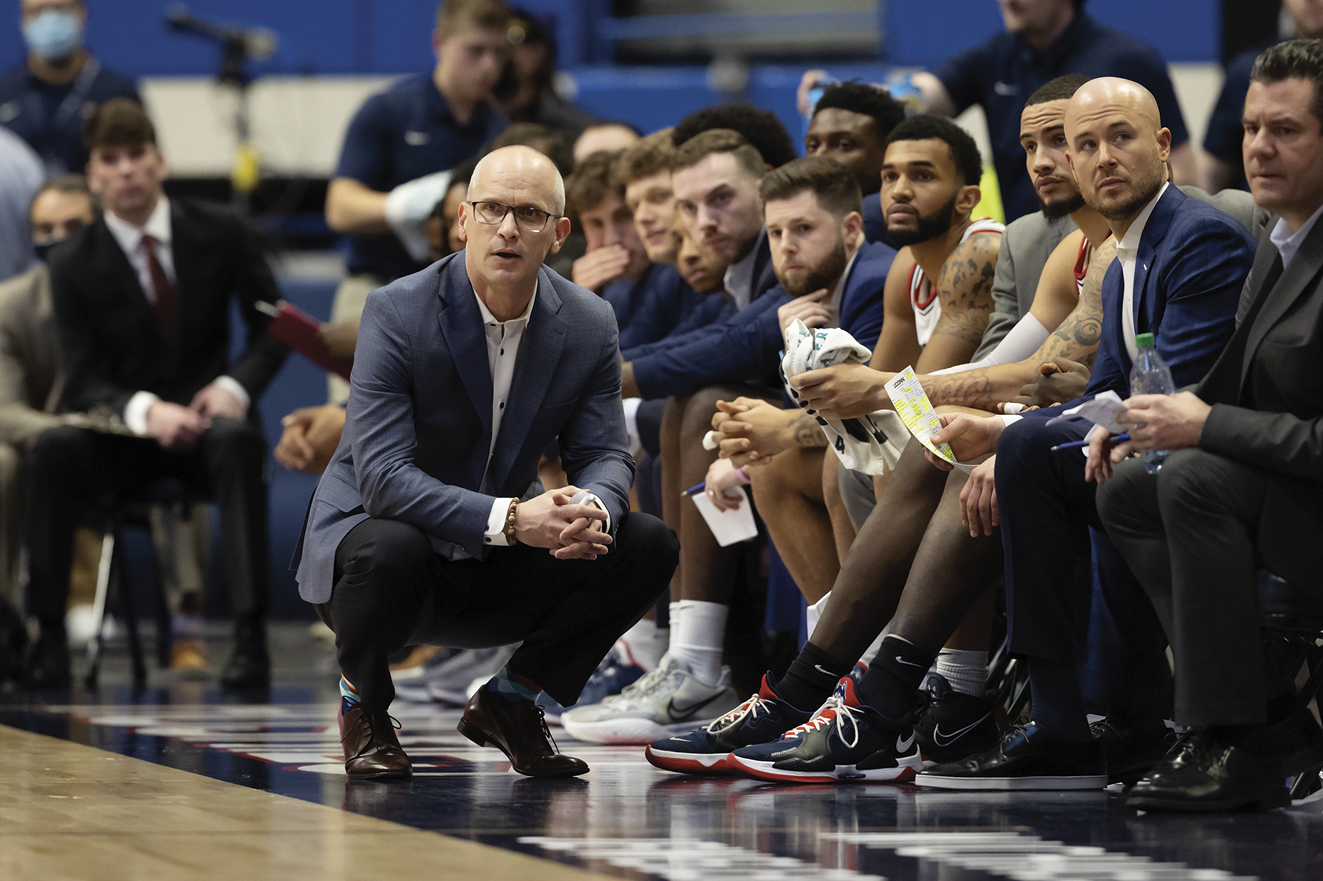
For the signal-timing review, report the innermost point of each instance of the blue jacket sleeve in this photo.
(743, 348)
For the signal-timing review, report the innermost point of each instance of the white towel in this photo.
(868, 443)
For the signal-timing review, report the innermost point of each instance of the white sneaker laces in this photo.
(751, 707)
(835, 708)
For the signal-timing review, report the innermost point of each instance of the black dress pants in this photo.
(1189, 534)
(392, 590)
(72, 468)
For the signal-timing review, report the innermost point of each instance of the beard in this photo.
(1058, 210)
(825, 275)
(926, 229)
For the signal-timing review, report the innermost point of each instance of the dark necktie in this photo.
(167, 300)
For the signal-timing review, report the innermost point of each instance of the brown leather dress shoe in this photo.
(372, 750)
(518, 729)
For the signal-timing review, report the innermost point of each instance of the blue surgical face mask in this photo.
(54, 34)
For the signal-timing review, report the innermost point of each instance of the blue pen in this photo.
(695, 490)
(1077, 445)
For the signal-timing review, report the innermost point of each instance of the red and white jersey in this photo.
(927, 307)
(1082, 263)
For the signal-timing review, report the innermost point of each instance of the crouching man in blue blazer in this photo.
(429, 525)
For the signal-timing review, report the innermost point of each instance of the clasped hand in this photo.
(176, 427)
(568, 532)
(749, 431)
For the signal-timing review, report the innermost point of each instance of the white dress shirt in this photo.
(130, 240)
(503, 341)
(1127, 252)
(1287, 242)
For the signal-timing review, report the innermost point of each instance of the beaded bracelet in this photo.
(510, 522)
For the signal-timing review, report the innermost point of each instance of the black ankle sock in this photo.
(1058, 706)
(811, 678)
(894, 676)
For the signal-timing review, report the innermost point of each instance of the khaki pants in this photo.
(350, 298)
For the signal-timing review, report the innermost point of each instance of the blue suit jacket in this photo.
(745, 347)
(418, 431)
(652, 307)
(1192, 263)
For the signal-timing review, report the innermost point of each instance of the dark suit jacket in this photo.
(416, 440)
(655, 305)
(1191, 267)
(744, 348)
(110, 342)
(1267, 395)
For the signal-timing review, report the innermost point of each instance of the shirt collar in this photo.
(489, 320)
(1130, 241)
(738, 279)
(839, 293)
(130, 236)
(1287, 242)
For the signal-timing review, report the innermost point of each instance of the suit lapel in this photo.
(1147, 312)
(1279, 299)
(539, 354)
(461, 327)
(1224, 379)
(186, 250)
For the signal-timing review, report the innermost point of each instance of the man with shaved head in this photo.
(1179, 271)
(430, 524)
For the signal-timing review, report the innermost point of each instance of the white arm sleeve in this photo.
(1021, 342)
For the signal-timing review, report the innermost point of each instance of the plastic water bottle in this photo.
(1150, 375)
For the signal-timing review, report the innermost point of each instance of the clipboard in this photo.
(299, 330)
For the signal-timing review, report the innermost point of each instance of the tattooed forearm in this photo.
(807, 432)
(973, 388)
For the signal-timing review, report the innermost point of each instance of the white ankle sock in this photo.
(643, 644)
(813, 613)
(966, 671)
(698, 631)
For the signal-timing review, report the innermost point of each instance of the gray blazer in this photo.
(1025, 247)
(30, 377)
(418, 431)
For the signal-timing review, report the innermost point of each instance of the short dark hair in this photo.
(1293, 60)
(964, 152)
(761, 128)
(593, 182)
(651, 155)
(119, 122)
(859, 97)
(65, 183)
(719, 140)
(546, 140)
(829, 180)
(1063, 88)
(492, 14)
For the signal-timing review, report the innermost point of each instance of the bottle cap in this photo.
(1144, 340)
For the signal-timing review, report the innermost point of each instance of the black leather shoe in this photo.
(1204, 772)
(250, 665)
(1131, 752)
(518, 729)
(372, 751)
(1026, 758)
(48, 662)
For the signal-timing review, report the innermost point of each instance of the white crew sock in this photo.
(966, 671)
(643, 644)
(813, 613)
(698, 631)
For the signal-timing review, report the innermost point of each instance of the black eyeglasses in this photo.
(527, 218)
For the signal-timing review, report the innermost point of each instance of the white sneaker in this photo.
(667, 700)
(447, 682)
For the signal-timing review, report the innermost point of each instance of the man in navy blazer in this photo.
(1179, 271)
(430, 526)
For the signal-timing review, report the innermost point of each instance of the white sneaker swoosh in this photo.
(938, 740)
(900, 660)
(904, 746)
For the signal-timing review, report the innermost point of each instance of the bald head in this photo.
(1117, 147)
(519, 163)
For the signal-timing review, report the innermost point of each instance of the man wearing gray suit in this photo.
(430, 526)
(1242, 486)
